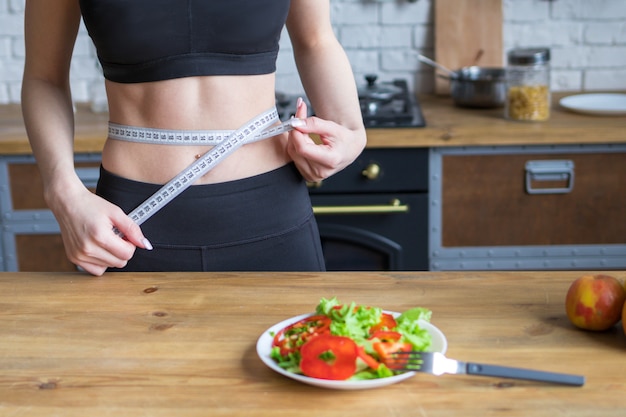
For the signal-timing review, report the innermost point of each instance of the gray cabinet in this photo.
(500, 208)
(30, 234)
(528, 207)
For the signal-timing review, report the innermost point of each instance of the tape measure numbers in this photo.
(183, 137)
(261, 127)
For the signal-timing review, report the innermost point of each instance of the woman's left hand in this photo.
(338, 147)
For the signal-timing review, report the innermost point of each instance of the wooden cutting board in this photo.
(467, 32)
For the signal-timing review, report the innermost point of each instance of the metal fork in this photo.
(438, 364)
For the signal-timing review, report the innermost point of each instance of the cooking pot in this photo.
(483, 87)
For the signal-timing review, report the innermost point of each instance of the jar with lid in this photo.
(528, 84)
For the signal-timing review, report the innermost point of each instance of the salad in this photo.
(348, 341)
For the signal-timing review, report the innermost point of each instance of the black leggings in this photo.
(261, 223)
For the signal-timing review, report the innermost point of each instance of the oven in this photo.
(373, 215)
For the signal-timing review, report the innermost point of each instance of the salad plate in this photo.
(612, 104)
(264, 347)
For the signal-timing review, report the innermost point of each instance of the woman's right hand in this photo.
(87, 221)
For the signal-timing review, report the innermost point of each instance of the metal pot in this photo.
(483, 87)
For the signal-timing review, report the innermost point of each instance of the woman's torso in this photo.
(196, 103)
(193, 64)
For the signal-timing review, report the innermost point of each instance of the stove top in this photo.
(398, 107)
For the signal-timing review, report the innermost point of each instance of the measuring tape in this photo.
(261, 127)
(182, 137)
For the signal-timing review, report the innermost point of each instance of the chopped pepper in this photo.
(329, 357)
(292, 337)
(387, 322)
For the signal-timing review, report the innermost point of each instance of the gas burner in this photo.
(384, 104)
(389, 104)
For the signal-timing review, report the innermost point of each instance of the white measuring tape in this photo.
(226, 142)
(181, 137)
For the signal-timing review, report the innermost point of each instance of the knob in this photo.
(371, 79)
(371, 172)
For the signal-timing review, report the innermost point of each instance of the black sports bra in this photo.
(152, 40)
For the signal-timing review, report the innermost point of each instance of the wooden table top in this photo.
(183, 344)
(446, 125)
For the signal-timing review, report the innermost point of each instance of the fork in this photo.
(437, 364)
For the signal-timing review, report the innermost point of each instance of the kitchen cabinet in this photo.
(538, 207)
(363, 213)
(30, 234)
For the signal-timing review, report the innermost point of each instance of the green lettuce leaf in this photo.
(408, 325)
(349, 320)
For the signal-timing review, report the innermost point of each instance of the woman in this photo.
(195, 65)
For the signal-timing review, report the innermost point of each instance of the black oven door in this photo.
(369, 232)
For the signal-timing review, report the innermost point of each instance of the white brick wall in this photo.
(587, 39)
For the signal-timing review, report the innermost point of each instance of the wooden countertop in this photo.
(183, 344)
(90, 130)
(447, 125)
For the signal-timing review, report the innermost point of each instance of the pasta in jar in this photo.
(528, 102)
(528, 85)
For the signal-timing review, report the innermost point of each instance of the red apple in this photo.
(624, 318)
(595, 302)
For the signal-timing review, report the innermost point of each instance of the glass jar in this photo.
(528, 84)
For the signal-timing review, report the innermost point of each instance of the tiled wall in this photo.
(587, 39)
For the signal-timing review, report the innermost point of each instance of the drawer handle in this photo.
(555, 170)
(395, 206)
(314, 184)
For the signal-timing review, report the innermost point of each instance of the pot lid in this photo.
(377, 91)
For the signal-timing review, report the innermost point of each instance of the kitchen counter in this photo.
(447, 125)
(183, 344)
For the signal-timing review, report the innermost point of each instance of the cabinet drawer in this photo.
(44, 252)
(380, 170)
(30, 234)
(27, 187)
(486, 200)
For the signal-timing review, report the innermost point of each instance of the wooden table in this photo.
(167, 344)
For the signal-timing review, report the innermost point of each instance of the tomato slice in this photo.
(386, 350)
(387, 322)
(295, 335)
(329, 357)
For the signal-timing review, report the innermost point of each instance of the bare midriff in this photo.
(195, 103)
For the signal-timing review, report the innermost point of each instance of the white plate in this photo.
(264, 347)
(613, 104)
